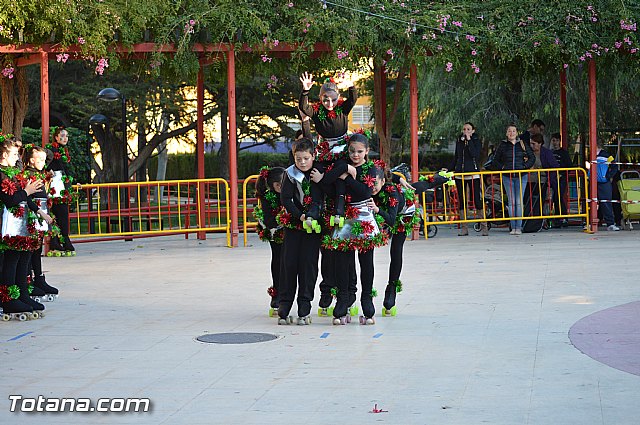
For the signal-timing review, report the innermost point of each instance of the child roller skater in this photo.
(60, 192)
(19, 236)
(301, 200)
(35, 158)
(360, 233)
(397, 206)
(330, 116)
(268, 188)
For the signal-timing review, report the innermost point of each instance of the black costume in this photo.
(60, 192)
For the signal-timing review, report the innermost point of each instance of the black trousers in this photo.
(15, 269)
(396, 250)
(61, 212)
(300, 269)
(36, 262)
(276, 264)
(366, 272)
(471, 190)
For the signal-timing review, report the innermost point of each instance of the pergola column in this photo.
(233, 147)
(44, 96)
(593, 146)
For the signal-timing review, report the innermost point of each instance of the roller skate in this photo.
(306, 320)
(38, 309)
(311, 225)
(283, 315)
(37, 294)
(69, 249)
(338, 218)
(353, 309)
(324, 306)
(341, 314)
(368, 309)
(14, 309)
(273, 293)
(389, 304)
(51, 293)
(55, 248)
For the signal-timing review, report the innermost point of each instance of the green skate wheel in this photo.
(57, 253)
(341, 222)
(394, 310)
(330, 311)
(332, 221)
(323, 312)
(353, 311)
(273, 312)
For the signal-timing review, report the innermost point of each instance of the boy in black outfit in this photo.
(301, 199)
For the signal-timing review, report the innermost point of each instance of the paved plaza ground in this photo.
(487, 333)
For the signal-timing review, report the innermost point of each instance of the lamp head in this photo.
(109, 95)
(98, 119)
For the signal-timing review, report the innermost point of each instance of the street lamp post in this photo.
(111, 95)
(97, 120)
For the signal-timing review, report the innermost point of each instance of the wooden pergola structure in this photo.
(40, 55)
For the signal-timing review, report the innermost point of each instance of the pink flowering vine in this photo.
(102, 64)
(62, 57)
(8, 71)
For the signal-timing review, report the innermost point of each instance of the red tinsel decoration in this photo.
(8, 187)
(332, 114)
(410, 202)
(272, 292)
(19, 212)
(351, 212)
(316, 107)
(306, 200)
(393, 202)
(56, 155)
(367, 227)
(369, 180)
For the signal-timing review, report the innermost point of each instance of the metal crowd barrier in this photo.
(446, 204)
(140, 209)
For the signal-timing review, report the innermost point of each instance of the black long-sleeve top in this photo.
(355, 188)
(387, 208)
(329, 128)
(290, 196)
(20, 195)
(269, 213)
(57, 163)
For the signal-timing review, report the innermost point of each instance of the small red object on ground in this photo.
(376, 410)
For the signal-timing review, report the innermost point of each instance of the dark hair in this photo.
(265, 182)
(537, 138)
(556, 136)
(7, 145)
(298, 134)
(379, 173)
(57, 132)
(29, 151)
(359, 138)
(473, 127)
(537, 123)
(511, 125)
(303, 145)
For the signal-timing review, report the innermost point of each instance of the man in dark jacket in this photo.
(564, 160)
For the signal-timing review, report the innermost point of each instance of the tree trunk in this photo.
(7, 87)
(21, 100)
(380, 113)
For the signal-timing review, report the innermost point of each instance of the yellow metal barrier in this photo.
(246, 224)
(453, 207)
(151, 208)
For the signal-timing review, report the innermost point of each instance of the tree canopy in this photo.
(471, 35)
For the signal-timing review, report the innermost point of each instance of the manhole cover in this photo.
(236, 338)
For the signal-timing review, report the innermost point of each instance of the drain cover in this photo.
(236, 338)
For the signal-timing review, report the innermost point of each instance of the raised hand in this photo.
(307, 81)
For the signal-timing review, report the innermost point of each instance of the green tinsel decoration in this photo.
(374, 292)
(398, 284)
(356, 229)
(14, 292)
(334, 292)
